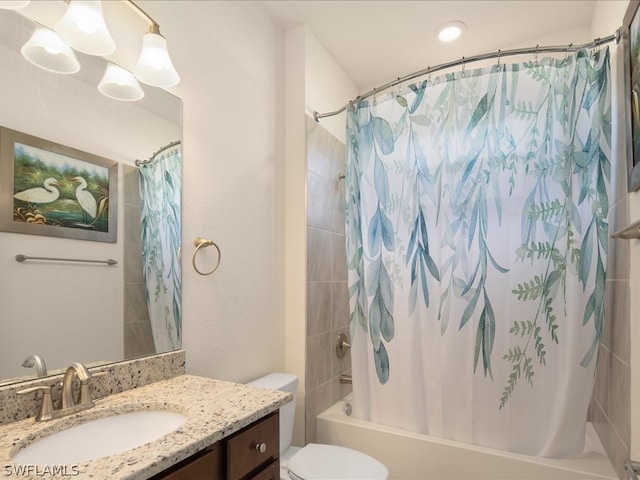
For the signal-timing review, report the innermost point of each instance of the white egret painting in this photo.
(58, 190)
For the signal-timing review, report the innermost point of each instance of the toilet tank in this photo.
(285, 382)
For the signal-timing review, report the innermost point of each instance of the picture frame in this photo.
(631, 46)
(54, 190)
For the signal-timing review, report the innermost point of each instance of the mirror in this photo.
(74, 311)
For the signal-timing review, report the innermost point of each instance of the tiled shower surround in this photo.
(138, 338)
(327, 301)
(610, 409)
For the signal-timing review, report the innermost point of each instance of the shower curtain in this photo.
(476, 246)
(160, 200)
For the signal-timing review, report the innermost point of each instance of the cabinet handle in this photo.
(261, 447)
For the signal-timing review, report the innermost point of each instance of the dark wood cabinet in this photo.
(205, 465)
(252, 453)
(270, 472)
(251, 449)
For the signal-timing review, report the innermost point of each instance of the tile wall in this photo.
(610, 409)
(138, 339)
(327, 300)
(610, 403)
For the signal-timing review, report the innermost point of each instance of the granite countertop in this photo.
(214, 410)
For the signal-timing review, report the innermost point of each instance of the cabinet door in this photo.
(272, 472)
(205, 466)
(254, 447)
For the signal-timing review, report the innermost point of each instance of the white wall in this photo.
(230, 59)
(327, 87)
(233, 91)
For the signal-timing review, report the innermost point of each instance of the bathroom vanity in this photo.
(251, 454)
(230, 432)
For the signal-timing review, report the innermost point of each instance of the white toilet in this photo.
(315, 462)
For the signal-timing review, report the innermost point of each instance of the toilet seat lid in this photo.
(330, 462)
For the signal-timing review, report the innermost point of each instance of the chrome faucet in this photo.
(37, 361)
(69, 404)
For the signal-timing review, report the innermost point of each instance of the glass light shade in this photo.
(46, 50)
(84, 29)
(154, 66)
(120, 84)
(13, 5)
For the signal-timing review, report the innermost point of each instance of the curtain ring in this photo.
(566, 58)
(535, 56)
(200, 242)
(499, 53)
(463, 74)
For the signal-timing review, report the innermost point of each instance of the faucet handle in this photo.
(46, 407)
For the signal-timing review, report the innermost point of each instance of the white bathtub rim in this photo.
(335, 413)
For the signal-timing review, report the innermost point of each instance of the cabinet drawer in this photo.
(243, 448)
(272, 472)
(205, 466)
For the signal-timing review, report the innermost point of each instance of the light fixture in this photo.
(120, 84)
(14, 5)
(46, 50)
(84, 29)
(154, 65)
(451, 30)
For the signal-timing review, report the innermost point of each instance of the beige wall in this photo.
(295, 212)
(230, 58)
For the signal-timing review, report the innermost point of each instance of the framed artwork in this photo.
(631, 45)
(54, 190)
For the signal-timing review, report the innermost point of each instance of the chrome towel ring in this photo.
(200, 242)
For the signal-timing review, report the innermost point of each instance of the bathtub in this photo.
(408, 455)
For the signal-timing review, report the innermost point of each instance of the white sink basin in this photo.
(99, 438)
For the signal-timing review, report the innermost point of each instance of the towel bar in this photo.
(21, 258)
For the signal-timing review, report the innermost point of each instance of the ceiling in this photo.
(377, 41)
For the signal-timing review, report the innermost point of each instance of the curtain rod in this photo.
(155, 154)
(485, 56)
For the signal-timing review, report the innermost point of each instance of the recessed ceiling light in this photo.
(451, 30)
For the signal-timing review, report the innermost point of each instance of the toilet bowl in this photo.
(315, 461)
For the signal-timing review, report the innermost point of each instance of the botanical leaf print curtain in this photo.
(160, 189)
(476, 246)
